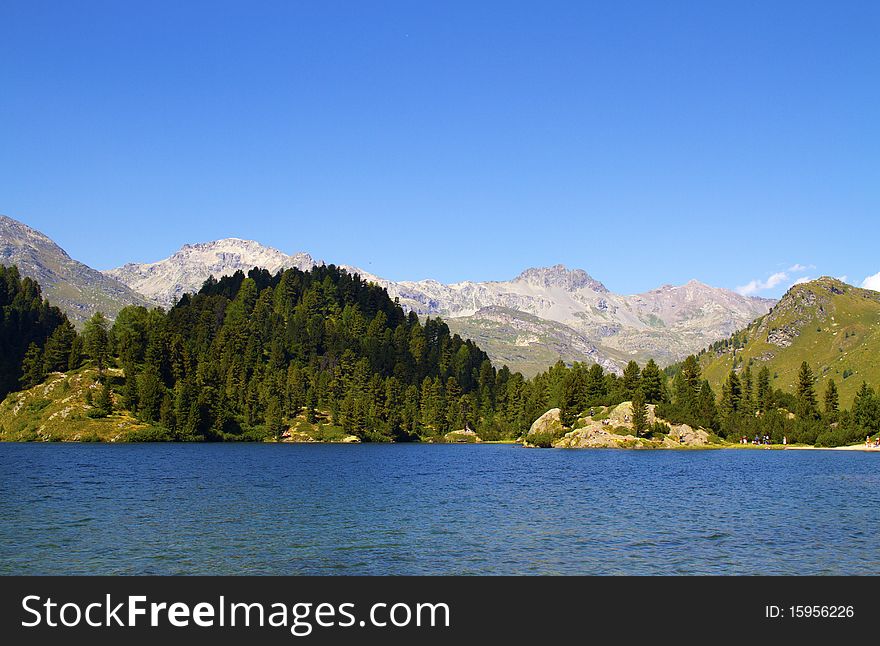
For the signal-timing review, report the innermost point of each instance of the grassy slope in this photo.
(56, 410)
(836, 332)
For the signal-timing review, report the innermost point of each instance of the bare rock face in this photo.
(76, 288)
(462, 436)
(549, 422)
(684, 435)
(667, 323)
(595, 436)
(623, 413)
(167, 280)
(784, 336)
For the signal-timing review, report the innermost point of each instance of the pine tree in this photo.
(56, 354)
(631, 379)
(573, 396)
(731, 399)
(706, 409)
(311, 405)
(832, 399)
(150, 392)
(691, 373)
(640, 412)
(652, 383)
(96, 341)
(104, 401)
(595, 385)
(32, 367)
(748, 402)
(274, 423)
(166, 412)
(866, 409)
(763, 393)
(806, 390)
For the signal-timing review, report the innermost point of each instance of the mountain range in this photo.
(529, 322)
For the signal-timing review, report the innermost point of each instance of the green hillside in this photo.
(832, 326)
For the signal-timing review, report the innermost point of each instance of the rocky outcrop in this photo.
(784, 336)
(595, 436)
(684, 435)
(613, 429)
(463, 436)
(549, 422)
(298, 437)
(623, 413)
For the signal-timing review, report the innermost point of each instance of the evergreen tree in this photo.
(691, 373)
(806, 390)
(866, 409)
(274, 423)
(748, 402)
(75, 359)
(150, 393)
(832, 399)
(573, 396)
(595, 384)
(56, 355)
(640, 412)
(96, 341)
(104, 401)
(763, 392)
(652, 383)
(25, 319)
(32, 372)
(731, 398)
(631, 379)
(706, 409)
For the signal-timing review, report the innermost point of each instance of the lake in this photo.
(434, 509)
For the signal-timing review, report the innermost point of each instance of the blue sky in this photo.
(647, 143)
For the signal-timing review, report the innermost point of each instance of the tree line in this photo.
(249, 354)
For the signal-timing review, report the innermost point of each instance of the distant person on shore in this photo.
(784, 440)
(867, 440)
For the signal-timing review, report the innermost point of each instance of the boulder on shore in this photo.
(622, 414)
(595, 436)
(685, 435)
(549, 422)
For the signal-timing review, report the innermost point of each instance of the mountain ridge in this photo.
(833, 326)
(556, 303)
(543, 314)
(71, 285)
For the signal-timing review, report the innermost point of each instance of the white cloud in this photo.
(843, 279)
(756, 285)
(872, 282)
(801, 280)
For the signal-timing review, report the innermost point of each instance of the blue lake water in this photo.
(434, 509)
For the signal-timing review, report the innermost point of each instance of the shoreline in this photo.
(707, 447)
(855, 447)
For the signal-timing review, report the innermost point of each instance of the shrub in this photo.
(543, 440)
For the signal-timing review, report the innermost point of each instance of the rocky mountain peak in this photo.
(561, 276)
(185, 270)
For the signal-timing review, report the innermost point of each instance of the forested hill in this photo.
(27, 323)
(258, 350)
